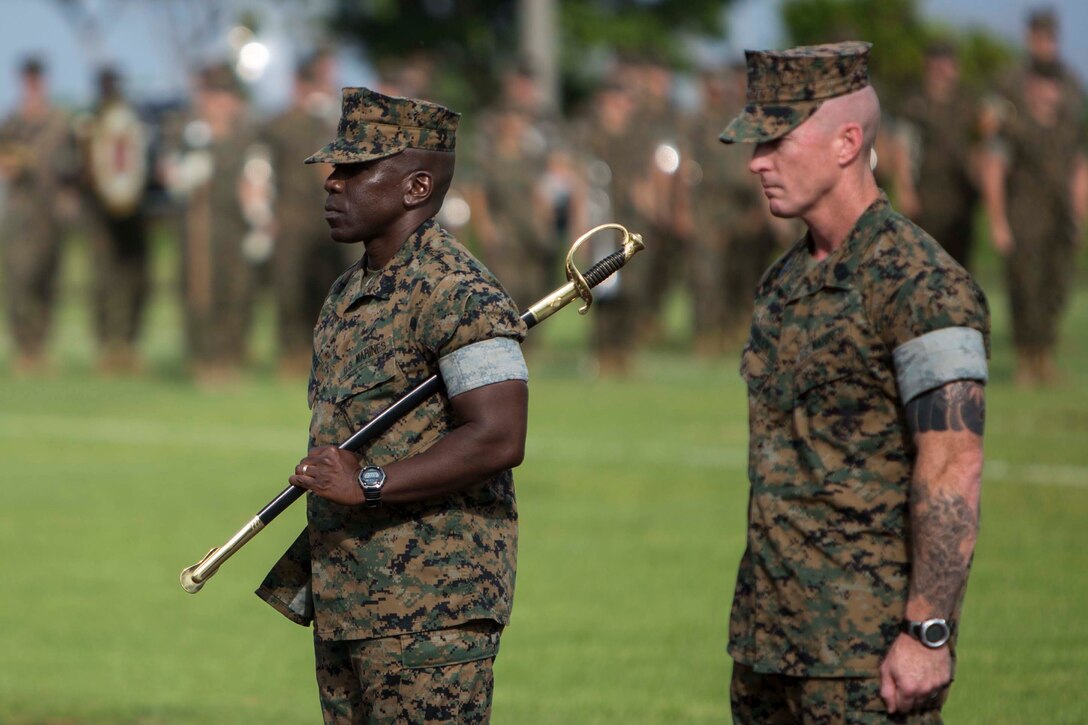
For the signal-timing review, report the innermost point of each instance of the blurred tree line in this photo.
(472, 41)
(897, 28)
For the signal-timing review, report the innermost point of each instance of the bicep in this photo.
(494, 419)
(499, 408)
(958, 406)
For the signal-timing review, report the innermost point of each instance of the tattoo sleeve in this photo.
(945, 526)
(947, 424)
(957, 406)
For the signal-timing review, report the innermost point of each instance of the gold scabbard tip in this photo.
(188, 583)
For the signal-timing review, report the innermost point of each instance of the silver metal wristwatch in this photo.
(372, 479)
(933, 633)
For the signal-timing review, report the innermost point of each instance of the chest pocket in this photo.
(369, 384)
(836, 384)
(826, 366)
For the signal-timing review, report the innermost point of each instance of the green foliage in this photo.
(983, 57)
(474, 40)
(650, 28)
(900, 36)
(885, 23)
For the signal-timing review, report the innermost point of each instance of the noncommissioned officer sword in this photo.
(578, 286)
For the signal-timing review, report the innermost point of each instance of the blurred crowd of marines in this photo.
(249, 213)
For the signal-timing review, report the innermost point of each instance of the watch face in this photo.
(371, 476)
(935, 633)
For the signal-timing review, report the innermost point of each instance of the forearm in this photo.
(944, 502)
(947, 425)
(944, 515)
(992, 172)
(488, 437)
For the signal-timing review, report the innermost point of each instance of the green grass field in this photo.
(632, 500)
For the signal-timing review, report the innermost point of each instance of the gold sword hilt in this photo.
(631, 245)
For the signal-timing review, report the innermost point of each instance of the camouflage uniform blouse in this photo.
(402, 568)
(822, 585)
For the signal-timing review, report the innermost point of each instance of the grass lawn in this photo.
(632, 499)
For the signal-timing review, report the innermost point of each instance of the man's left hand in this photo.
(912, 675)
(330, 473)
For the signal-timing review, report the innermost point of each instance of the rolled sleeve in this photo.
(482, 363)
(465, 309)
(939, 357)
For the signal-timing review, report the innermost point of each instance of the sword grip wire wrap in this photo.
(605, 268)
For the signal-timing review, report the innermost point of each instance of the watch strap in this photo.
(920, 630)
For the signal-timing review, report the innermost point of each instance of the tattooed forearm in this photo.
(945, 527)
(957, 406)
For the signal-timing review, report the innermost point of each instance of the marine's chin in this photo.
(339, 234)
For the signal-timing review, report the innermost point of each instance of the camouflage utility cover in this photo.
(401, 568)
(822, 585)
(373, 126)
(785, 87)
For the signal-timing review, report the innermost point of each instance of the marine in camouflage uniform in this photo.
(115, 158)
(732, 238)
(217, 278)
(656, 140)
(612, 170)
(36, 159)
(409, 583)
(304, 260)
(510, 211)
(1035, 182)
(865, 366)
(937, 129)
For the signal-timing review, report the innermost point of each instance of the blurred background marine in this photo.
(936, 135)
(305, 262)
(114, 142)
(208, 174)
(613, 171)
(733, 237)
(37, 160)
(1035, 180)
(1035, 183)
(660, 194)
(510, 212)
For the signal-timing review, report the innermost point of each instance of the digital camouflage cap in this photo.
(373, 126)
(785, 87)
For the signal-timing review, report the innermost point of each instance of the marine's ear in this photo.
(851, 143)
(419, 188)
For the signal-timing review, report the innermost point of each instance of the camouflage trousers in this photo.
(442, 676)
(30, 256)
(1039, 275)
(121, 277)
(770, 699)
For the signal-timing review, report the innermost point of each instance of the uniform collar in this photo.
(380, 285)
(838, 269)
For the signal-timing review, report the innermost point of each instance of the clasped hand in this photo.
(331, 473)
(913, 675)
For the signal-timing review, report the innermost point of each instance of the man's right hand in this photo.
(913, 675)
